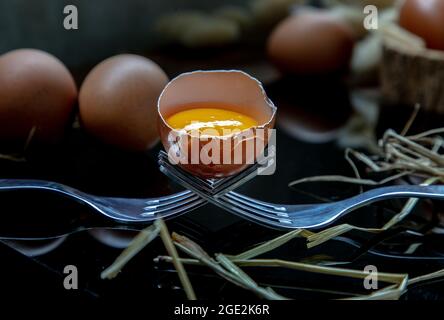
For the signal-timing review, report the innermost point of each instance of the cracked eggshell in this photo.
(229, 87)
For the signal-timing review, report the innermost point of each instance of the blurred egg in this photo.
(118, 99)
(36, 91)
(311, 42)
(425, 18)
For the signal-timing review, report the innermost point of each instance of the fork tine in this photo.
(233, 182)
(243, 206)
(174, 210)
(168, 198)
(255, 215)
(217, 186)
(181, 209)
(257, 211)
(170, 213)
(179, 171)
(207, 184)
(139, 212)
(201, 186)
(248, 201)
(154, 210)
(268, 207)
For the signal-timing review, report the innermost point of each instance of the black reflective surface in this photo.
(89, 166)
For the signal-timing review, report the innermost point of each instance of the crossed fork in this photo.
(220, 192)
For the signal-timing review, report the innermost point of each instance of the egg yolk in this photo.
(211, 121)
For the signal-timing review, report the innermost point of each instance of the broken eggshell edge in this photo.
(231, 87)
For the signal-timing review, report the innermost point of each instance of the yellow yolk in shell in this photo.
(211, 121)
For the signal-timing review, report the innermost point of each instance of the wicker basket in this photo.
(410, 73)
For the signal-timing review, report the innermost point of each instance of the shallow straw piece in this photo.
(427, 277)
(224, 268)
(13, 158)
(409, 155)
(321, 237)
(351, 180)
(20, 157)
(230, 266)
(229, 269)
(169, 246)
(271, 245)
(406, 154)
(400, 282)
(142, 239)
(392, 292)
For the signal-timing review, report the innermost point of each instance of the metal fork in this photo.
(120, 209)
(137, 210)
(285, 217)
(321, 215)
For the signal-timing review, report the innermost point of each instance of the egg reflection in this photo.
(118, 239)
(309, 116)
(35, 248)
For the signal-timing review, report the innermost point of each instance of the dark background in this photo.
(110, 27)
(105, 27)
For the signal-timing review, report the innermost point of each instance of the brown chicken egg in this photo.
(215, 123)
(37, 94)
(118, 99)
(424, 18)
(311, 42)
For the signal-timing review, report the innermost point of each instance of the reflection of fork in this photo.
(293, 216)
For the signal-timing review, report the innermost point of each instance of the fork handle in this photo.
(393, 192)
(23, 184)
(26, 184)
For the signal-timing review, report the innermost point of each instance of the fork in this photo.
(137, 210)
(288, 217)
(120, 209)
(321, 215)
